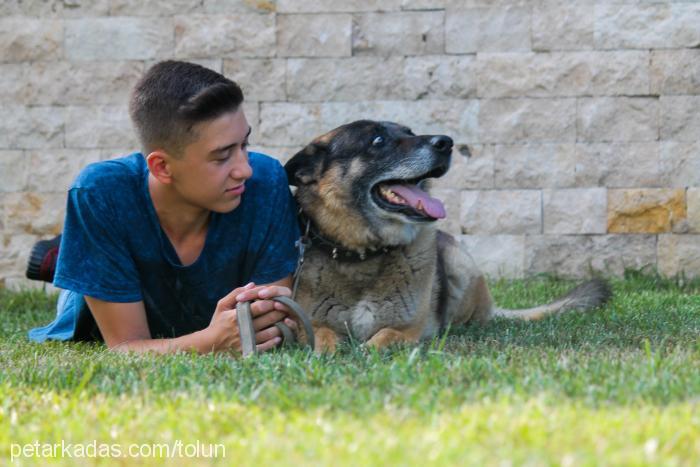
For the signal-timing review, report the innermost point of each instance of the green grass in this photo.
(616, 386)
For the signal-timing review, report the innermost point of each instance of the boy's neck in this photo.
(180, 220)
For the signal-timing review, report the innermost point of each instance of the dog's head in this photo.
(364, 184)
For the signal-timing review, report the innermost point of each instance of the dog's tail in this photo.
(586, 296)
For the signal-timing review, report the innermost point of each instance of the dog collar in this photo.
(335, 250)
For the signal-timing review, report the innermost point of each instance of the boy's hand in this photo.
(224, 323)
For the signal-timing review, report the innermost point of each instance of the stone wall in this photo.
(582, 118)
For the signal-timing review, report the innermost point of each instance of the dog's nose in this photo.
(441, 143)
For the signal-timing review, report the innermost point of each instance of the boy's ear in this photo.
(303, 167)
(157, 162)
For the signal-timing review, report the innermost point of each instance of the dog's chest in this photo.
(358, 299)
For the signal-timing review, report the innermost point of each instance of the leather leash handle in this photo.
(245, 323)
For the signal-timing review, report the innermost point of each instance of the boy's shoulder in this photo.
(111, 173)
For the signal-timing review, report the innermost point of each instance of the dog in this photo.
(376, 268)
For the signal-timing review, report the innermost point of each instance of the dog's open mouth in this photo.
(408, 198)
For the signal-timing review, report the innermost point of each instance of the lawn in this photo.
(618, 386)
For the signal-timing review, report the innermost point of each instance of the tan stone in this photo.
(617, 119)
(406, 33)
(34, 213)
(679, 255)
(54, 8)
(534, 165)
(680, 119)
(290, 123)
(345, 79)
(281, 153)
(497, 255)
(13, 171)
(680, 163)
(693, 200)
(336, 6)
(653, 210)
(25, 39)
(618, 165)
(675, 71)
(244, 35)
(648, 26)
(471, 168)
(99, 126)
(323, 35)
(54, 172)
(118, 38)
(495, 29)
(159, 7)
(261, 79)
(32, 127)
(563, 74)
(581, 256)
(562, 26)
(440, 77)
(575, 211)
(501, 212)
(533, 120)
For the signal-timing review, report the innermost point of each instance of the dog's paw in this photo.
(326, 340)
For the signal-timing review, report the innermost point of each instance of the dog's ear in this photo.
(303, 167)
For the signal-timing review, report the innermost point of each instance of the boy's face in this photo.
(213, 170)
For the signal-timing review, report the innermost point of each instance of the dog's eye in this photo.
(378, 141)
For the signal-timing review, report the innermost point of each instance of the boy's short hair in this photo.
(172, 97)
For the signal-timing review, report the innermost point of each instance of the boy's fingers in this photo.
(267, 334)
(274, 342)
(267, 320)
(264, 292)
(229, 301)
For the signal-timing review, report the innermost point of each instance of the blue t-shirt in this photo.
(114, 249)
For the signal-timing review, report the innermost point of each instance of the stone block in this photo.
(74, 83)
(244, 35)
(471, 168)
(679, 255)
(652, 210)
(617, 119)
(160, 8)
(99, 126)
(497, 255)
(680, 164)
(618, 165)
(290, 123)
(336, 6)
(458, 119)
(54, 171)
(118, 38)
(649, 26)
(347, 79)
(32, 127)
(575, 211)
(13, 171)
(693, 200)
(501, 212)
(581, 256)
(323, 35)
(534, 165)
(533, 120)
(261, 79)
(281, 153)
(562, 26)
(423, 4)
(675, 71)
(14, 252)
(440, 77)
(680, 119)
(563, 74)
(406, 33)
(496, 29)
(54, 8)
(27, 39)
(34, 213)
(13, 83)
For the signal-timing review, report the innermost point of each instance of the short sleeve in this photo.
(94, 258)
(277, 256)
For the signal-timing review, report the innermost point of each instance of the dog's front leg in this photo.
(388, 336)
(326, 339)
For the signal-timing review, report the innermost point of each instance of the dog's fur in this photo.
(415, 279)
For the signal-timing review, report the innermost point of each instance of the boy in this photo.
(153, 243)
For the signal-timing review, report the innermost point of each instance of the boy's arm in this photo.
(124, 327)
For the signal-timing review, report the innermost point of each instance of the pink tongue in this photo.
(413, 195)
